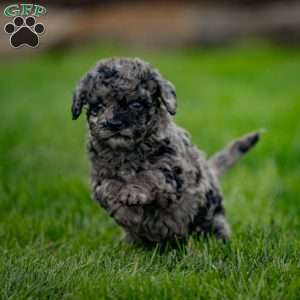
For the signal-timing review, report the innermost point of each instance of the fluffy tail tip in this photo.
(250, 140)
(232, 153)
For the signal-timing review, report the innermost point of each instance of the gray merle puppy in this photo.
(145, 171)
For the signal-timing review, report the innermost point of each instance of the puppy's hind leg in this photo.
(211, 219)
(220, 227)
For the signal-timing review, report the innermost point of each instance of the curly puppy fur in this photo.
(145, 171)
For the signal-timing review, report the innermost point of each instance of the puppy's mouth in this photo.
(127, 135)
(122, 134)
(119, 140)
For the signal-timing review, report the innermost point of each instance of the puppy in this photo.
(145, 172)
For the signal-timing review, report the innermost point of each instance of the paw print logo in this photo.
(24, 32)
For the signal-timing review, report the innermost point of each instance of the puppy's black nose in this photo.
(114, 124)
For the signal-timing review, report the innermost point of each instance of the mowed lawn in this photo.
(56, 243)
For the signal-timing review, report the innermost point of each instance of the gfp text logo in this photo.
(24, 30)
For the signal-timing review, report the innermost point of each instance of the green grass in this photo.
(56, 243)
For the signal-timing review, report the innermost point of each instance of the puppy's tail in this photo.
(230, 155)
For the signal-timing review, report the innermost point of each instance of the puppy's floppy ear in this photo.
(166, 91)
(76, 106)
(79, 98)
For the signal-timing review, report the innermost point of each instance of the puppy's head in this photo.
(125, 100)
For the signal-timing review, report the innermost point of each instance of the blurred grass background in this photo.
(56, 243)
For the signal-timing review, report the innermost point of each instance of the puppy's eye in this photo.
(136, 105)
(101, 106)
(93, 112)
(95, 108)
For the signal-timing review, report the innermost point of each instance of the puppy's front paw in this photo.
(133, 195)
